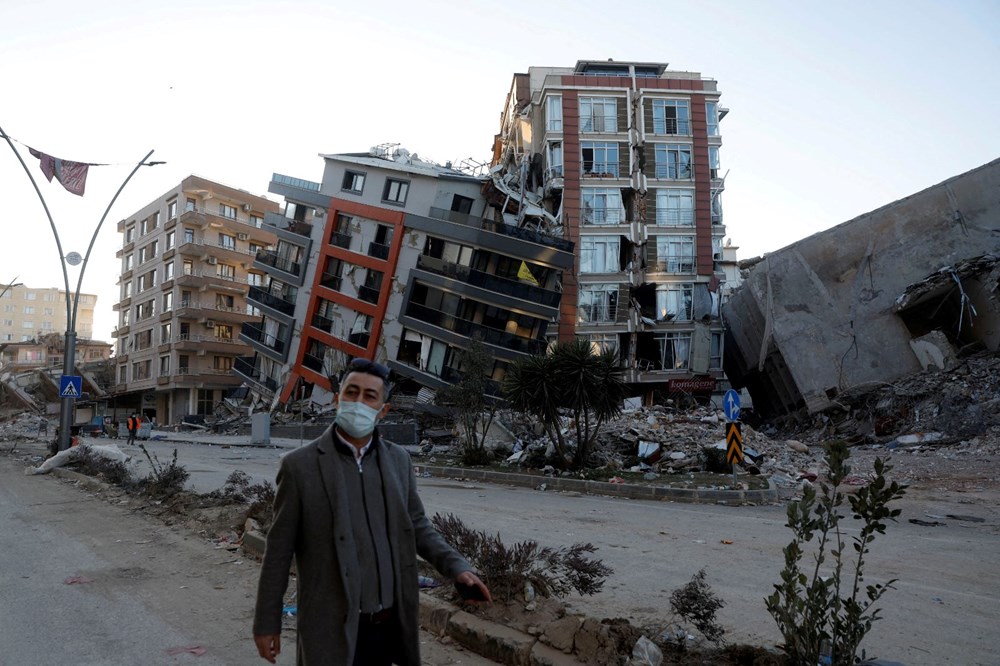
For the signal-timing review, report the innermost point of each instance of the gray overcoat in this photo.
(312, 524)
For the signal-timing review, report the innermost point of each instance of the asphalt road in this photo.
(943, 611)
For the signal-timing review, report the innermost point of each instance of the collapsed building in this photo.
(903, 288)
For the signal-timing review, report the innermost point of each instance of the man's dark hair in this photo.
(369, 367)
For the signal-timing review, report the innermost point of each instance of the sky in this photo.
(835, 109)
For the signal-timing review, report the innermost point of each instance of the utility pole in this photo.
(72, 298)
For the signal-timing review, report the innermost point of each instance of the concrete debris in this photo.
(108, 451)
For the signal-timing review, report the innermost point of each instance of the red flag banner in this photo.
(72, 175)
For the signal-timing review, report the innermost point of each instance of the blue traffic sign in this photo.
(70, 386)
(731, 405)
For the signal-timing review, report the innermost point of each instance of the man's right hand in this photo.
(268, 646)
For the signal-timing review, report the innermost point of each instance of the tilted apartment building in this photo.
(187, 264)
(623, 159)
(401, 260)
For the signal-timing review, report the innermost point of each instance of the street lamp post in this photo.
(72, 304)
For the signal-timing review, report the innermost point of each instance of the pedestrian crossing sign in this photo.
(70, 386)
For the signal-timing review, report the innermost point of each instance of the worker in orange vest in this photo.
(133, 427)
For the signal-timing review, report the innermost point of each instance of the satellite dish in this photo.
(73, 258)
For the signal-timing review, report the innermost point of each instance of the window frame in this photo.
(589, 121)
(353, 176)
(402, 191)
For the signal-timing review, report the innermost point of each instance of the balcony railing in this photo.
(254, 332)
(368, 294)
(338, 239)
(330, 281)
(466, 328)
(600, 169)
(678, 264)
(673, 171)
(359, 339)
(599, 124)
(671, 126)
(674, 217)
(268, 299)
(602, 216)
(597, 313)
(271, 258)
(529, 235)
(314, 363)
(490, 282)
(244, 366)
(322, 323)
(295, 182)
(378, 250)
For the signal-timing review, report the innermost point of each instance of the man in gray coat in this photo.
(347, 510)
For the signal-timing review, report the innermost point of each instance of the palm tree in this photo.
(572, 379)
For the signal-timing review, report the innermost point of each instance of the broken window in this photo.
(675, 350)
(671, 116)
(675, 254)
(597, 303)
(598, 114)
(602, 206)
(674, 208)
(460, 204)
(600, 158)
(673, 161)
(600, 254)
(674, 302)
(553, 113)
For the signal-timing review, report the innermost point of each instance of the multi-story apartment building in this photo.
(623, 159)
(401, 260)
(187, 264)
(27, 313)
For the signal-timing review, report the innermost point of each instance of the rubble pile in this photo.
(23, 425)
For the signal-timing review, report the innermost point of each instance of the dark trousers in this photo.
(379, 644)
(131, 436)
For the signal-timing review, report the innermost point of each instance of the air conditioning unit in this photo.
(247, 207)
(209, 323)
(243, 237)
(213, 261)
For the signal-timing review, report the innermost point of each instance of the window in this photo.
(29, 309)
(600, 254)
(30, 296)
(553, 113)
(190, 204)
(715, 356)
(675, 208)
(675, 254)
(597, 303)
(675, 350)
(602, 343)
(146, 253)
(224, 331)
(27, 324)
(372, 287)
(9, 308)
(361, 330)
(717, 208)
(165, 333)
(598, 114)
(602, 206)
(225, 210)
(164, 365)
(168, 301)
(171, 210)
(712, 116)
(122, 374)
(223, 363)
(169, 242)
(168, 271)
(600, 158)
(256, 221)
(127, 263)
(206, 402)
(340, 235)
(183, 364)
(188, 267)
(395, 191)
(673, 161)
(225, 302)
(671, 116)
(354, 181)
(188, 235)
(555, 152)
(255, 279)
(143, 340)
(713, 161)
(674, 301)
(461, 204)
(226, 241)
(226, 271)
(130, 234)
(8, 322)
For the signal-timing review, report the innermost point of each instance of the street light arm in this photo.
(93, 239)
(52, 224)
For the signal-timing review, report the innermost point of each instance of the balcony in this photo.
(673, 171)
(378, 250)
(466, 328)
(600, 169)
(675, 217)
(680, 264)
(330, 281)
(493, 283)
(662, 125)
(254, 333)
(597, 313)
(529, 235)
(314, 363)
(603, 216)
(324, 324)
(244, 367)
(269, 300)
(368, 294)
(338, 239)
(284, 264)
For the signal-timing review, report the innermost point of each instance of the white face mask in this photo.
(356, 418)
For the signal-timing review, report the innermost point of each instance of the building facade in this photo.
(187, 263)
(407, 263)
(623, 160)
(28, 314)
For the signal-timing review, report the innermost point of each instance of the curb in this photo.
(88, 482)
(630, 491)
